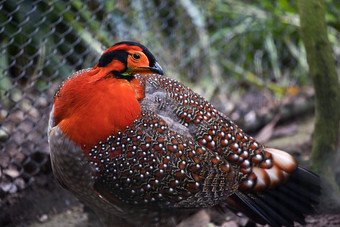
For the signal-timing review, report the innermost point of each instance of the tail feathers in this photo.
(282, 205)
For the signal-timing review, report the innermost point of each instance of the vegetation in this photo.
(327, 97)
(207, 43)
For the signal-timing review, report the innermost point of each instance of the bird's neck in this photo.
(89, 110)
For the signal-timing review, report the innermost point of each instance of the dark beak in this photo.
(157, 69)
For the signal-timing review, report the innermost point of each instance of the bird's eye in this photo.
(136, 56)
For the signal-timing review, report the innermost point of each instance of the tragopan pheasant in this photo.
(142, 149)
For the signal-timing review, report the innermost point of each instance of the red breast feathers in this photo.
(99, 102)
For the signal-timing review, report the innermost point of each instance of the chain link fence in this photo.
(215, 46)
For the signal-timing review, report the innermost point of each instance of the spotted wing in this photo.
(271, 187)
(149, 164)
(190, 114)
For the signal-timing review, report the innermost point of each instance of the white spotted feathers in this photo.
(155, 162)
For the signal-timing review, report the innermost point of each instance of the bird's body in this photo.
(143, 149)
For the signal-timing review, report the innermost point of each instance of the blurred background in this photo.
(246, 56)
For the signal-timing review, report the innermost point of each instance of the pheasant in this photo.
(142, 149)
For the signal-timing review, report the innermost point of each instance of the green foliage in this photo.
(211, 42)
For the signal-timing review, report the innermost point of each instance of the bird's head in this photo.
(127, 58)
(94, 103)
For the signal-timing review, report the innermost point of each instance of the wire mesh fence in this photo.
(217, 46)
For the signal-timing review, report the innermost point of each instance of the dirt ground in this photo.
(52, 206)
